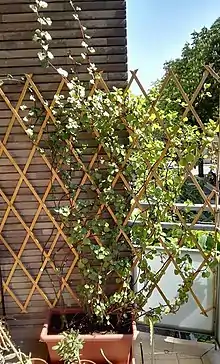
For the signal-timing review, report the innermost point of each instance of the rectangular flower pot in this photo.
(116, 347)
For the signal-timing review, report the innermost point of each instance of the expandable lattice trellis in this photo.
(17, 261)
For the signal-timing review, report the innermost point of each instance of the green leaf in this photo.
(56, 347)
(189, 157)
(202, 240)
(210, 243)
(206, 274)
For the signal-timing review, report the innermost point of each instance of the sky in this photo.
(158, 30)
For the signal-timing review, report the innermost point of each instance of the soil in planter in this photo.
(86, 325)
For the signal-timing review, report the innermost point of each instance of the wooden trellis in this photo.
(25, 207)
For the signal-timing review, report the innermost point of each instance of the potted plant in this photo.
(74, 346)
(122, 153)
(70, 353)
(96, 223)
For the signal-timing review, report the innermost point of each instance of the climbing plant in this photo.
(129, 149)
(99, 219)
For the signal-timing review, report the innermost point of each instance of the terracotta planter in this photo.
(116, 347)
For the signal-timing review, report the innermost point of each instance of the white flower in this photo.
(72, 124)
(84, 44)
(42, 4)
(42, 21)
(23, 107)
(45, 46)
(47, 35)
(49, 21)
(91, 50)
(70, 85)
(41, 56)
(32, 98)
(35, 37)
(41, 151)
(33, 7)
(50, 55)
(30, 132)
(62, 72)
(93, 66)
(83, 55)
(82, 92)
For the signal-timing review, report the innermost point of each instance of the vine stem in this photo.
(104, 356)
(11, 345)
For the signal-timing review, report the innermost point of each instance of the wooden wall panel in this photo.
(106, 23)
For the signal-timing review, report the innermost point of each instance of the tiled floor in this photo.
(169, 351)
(172, 359)
(178, 360)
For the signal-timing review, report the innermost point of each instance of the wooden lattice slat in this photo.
(37, 284)
(41, 206)
(187, 174)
